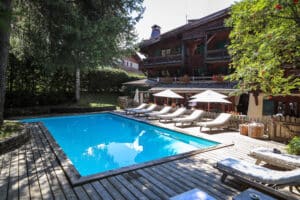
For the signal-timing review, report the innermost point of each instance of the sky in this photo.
(170, 14)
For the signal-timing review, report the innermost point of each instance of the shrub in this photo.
(105, 80)
(294, 146)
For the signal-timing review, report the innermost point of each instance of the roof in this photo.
(192, 24)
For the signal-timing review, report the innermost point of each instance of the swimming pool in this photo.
(98, 143)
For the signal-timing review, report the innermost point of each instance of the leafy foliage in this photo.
(105, 79)
(30, 85)
(50, 39)
(263, 42)
(294, 146)
(70, 35)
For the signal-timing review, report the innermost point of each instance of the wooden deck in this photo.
(33, 172)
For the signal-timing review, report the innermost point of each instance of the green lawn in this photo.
(97, 100)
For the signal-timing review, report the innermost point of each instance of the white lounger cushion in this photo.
(258, 173)
(178, 112)
(195, 115)
(164, 110)
(221, 120)
(143, 105)
(287, 161)
(149, 109)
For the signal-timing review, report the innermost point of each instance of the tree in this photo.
(5, 18)
(78, 34)
(265, 39)
(67, 34)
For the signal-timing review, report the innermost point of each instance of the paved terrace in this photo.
(33, 172)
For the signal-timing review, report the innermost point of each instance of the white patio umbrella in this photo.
(136, 96)
(210, 97)
(168, 94)
(209, 94)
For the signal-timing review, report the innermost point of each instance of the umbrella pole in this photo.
(208, 107)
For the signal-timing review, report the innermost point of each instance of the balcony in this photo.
(217, 55)
(163, 60)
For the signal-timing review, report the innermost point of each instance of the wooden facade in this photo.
(195, 49)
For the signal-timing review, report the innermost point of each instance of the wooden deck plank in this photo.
(91, 192)
(110, 188)
(120, 187)
(13, 191)
(42, 176)
(47, 160)
(101, 191)
(156, 182)
(164, 171)
(35, 192)
(131, 188)
(81, 193)
(24, 192)
(4, 179)
(61, 176)
(165, 179)
(143, 188)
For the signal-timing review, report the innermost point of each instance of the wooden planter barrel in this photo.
(244, 129)
(256, 130)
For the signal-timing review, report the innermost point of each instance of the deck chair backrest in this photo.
(151, 107)
(166, 109)
(223, 117)
(179, 111)
(196, 113)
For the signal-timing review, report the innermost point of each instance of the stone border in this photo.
(76, 179)
(15, 140)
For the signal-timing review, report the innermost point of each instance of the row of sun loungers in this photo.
(164, 116)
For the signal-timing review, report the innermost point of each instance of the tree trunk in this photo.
(77, 85)
(4, 48)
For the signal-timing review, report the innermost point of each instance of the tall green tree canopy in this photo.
(72, 34)
(265, 39)
(79, 33)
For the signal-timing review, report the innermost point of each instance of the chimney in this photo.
(155, 31)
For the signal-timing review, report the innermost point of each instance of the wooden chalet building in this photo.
(193, 58)
(194, 54)
(197, 49)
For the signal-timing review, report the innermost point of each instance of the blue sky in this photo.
(169, 14)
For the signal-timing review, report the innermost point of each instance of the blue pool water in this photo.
(101, 142)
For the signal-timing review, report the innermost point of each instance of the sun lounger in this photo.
(220, 122)
(143, 111)
(169, 117)
(275, 158)
(130, 110)
(154, 114)
(260, 177)
(196, 114)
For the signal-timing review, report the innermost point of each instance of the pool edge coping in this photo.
(76, 179)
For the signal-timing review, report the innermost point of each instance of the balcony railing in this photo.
(217, 54)
(161, 60)
(183, 79)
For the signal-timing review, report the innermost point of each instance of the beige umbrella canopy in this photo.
(168, 94)
(208, 97)
(209, 94)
